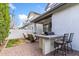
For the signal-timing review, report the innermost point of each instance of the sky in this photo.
(21, 11)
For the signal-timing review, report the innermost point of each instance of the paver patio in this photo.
(28, 49)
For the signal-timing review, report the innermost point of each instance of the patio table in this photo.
(46, 42)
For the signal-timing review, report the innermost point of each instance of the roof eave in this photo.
(47, 13)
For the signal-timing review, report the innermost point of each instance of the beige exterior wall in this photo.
(32, 16)
(38, 28)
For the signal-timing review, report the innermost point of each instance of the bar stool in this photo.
(60, 44)
(70, 41)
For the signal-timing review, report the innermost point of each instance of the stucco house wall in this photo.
(66, 20)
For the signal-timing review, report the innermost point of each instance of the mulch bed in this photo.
(15, 42)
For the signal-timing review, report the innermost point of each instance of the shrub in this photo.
(4, 21)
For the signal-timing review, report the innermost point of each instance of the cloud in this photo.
(12, 6)
(22, 17)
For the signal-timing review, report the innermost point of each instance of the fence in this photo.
(18, 33)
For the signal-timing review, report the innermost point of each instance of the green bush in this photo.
(4, 21)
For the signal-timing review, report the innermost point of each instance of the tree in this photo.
(4, 21)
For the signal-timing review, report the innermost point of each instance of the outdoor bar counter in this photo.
(46, 42)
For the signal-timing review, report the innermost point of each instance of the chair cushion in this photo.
(59, 41)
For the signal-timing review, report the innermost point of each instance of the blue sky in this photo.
(21, 10)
